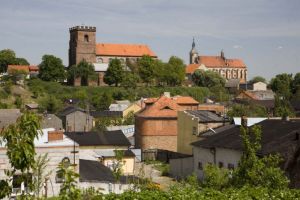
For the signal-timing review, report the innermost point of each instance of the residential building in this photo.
(8, 116)
(83, 46)
(225, 148)
(156, 123)
(190, 126)
(76, 119)
(51, 121)
(227, 68)
(125, 107)
(101, 146)
(217, 108)
(58, 148)
(29, 70)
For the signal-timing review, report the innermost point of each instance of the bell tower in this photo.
(193, 53)
(82, 44)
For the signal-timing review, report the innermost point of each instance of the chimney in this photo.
(55, 136)
(244, 121)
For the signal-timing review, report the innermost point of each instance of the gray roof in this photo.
(8, 116)
(205, 116)
(278, 136)
(51, 121)
(69, 110)
(232, 83)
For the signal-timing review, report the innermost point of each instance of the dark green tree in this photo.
(175, 71)
(130, 80)
(50, 103)
(115, 73)
(296, 83)
(283, 108)
(147, 69)
(7, 57)
(86, 71)
(256, 79)
(282, 85)
(207, 78)
(51, 69)
(21, 61)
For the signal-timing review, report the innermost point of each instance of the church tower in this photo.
(82, 44)
(193, 53)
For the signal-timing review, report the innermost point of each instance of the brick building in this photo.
(83, 46)
(227, 68)
(156, 123)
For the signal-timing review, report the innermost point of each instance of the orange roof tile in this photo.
(130, 50)
(191, 68)
(11, 68)
(219, 62)
(163, 106)
(33, 68)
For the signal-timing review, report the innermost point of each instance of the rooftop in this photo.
(104, 138)
(277, 137)
(125, 50)
(205, 116)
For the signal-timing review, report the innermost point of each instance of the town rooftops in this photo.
(69, 110)
(277, 137)
(205, 116)
(165, 107)
(125, 50)
(104, 138)
(8, 116)
(94, 171)
(257, 95)
(26, 68)
(106, 113)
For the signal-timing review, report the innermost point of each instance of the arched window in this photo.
(86, 38)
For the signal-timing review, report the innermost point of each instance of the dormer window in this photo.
(86, 38)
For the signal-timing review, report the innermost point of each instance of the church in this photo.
(227, 68)
(83, 46)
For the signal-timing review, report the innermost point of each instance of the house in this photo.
(217, 108)
(58, 148)
(101, 147)
(125, 107)
(233, 85)
(51, 121)
(257, 86)
(29, 70)
(76, 119)
(8, 116)
(225, 148)
(156, 123)
(83, 46)
(227, 68)
(256, 95)
(190, 126)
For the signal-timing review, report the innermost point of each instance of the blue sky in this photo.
(264, 33)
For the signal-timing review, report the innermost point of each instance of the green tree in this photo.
(282, 85)
(147, 69)
(296, 83)
(255, 171)
(69, 189)
(19, 142)
(18, 102)
(256, 79)
(130, 80)
(51, 69)
(21, 61)
(114, 73)
(50, 104)
(282, 108)
(7, 57)
(251, 110)
(101, 102)
(117, 167)
(207, 78)
(86, 72)
(175, 71)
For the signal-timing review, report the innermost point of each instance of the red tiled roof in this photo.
(191, 68)
(219, 62)
(26, 68)
(163, 106)
(130, 50)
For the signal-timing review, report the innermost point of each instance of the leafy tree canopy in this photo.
(146, 66)
(256, 79)
(282, 85)
(114, 73)
(207, 78)
(51, 69)
(8, 57)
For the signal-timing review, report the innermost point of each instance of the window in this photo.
(221, 164)
(200, 166)
(86, 38)
(99, 60)
(230, 166)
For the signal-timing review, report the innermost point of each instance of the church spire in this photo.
(193, 53)
(193, 44)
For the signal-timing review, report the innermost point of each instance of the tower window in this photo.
(86, 38)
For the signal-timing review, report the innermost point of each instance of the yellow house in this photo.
(133, 108)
